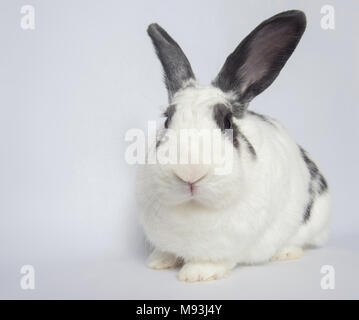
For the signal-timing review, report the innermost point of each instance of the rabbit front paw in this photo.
(203, 271)
(162, 260)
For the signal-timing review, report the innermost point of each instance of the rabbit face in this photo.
(200, 129)
(219, 107)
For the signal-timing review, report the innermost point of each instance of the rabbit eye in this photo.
(227, 123)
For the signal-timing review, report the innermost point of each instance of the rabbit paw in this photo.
(203, 271)
(161, 260)
(288, 253)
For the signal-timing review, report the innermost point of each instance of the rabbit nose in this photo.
(190, 174)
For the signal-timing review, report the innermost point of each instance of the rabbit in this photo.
(273, 204)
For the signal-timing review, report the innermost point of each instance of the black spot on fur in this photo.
(317, 184)
(308, 210)
(318, 181)
(168, 114)
(238, 109)
(221, 114)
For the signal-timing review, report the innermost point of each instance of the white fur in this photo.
(162, 260)
(247, 216)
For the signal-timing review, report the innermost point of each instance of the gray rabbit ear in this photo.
(177, 69)
(259, 58)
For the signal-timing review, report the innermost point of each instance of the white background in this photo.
(71, 88)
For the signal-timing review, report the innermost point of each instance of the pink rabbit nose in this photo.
(191, 174)
(191, 181)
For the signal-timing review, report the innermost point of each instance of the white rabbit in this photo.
(275, 201)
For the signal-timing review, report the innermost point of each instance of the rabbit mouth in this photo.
(191, 185)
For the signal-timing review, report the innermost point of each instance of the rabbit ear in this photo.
(258, 59)
(177, 69)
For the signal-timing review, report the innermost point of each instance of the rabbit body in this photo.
(262, 214)
(273, 203)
